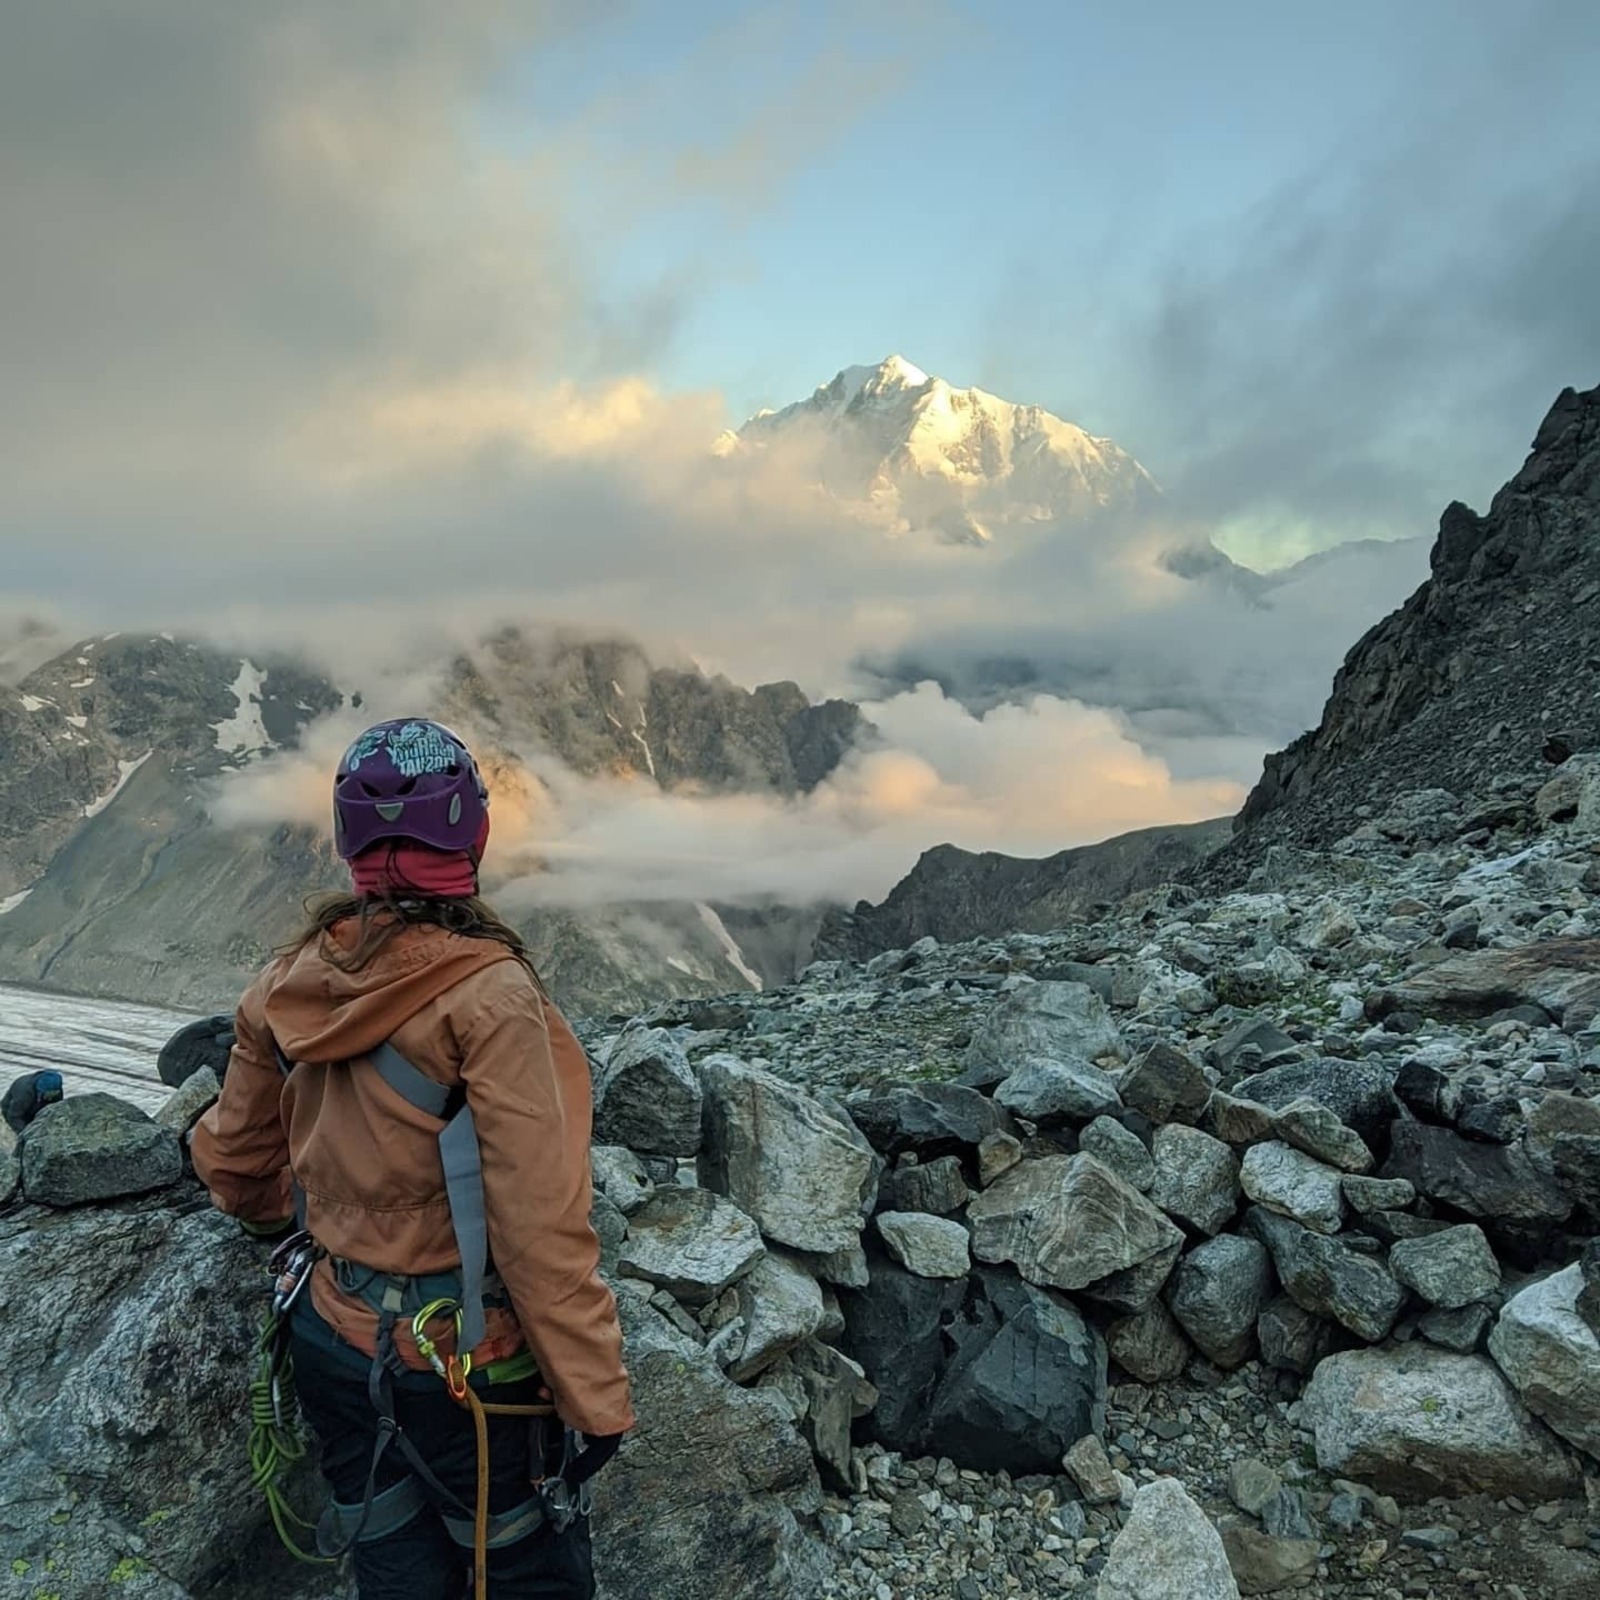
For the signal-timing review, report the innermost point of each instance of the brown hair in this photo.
(382, 916)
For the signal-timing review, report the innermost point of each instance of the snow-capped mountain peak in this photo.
(914, 453)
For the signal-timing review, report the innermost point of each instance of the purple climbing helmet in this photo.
(409, 779)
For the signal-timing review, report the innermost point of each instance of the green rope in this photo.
(276, 1448)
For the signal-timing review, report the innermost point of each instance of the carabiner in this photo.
(429, 1350)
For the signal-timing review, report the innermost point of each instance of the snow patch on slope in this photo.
(244, 734)
(125, 770)
(12, 902)
(730, 947)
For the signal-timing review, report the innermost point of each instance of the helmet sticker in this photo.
(415, 748)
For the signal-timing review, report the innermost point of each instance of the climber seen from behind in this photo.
(402, 1085)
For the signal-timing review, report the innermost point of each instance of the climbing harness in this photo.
(275, 1443)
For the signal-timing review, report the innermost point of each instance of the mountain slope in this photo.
(955, 895)
(116, 879)
(1495, 652)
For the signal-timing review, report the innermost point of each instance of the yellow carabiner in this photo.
(426, 1347)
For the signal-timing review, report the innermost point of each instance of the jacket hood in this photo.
(318, 1012)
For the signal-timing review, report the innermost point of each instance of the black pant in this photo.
(421, 1561)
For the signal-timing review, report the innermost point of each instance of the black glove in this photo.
(592, 1457)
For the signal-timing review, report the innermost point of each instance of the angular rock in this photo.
(781, 1305)
(1462, 1330)
(1196, 1179)
(936, 1187)
(1089, 1467)
(837, 1396)
(647, 1097)
(1166, 1085)
(847, 1268)
(610, 1228)
(1251, 1484)
(1497, 1184)
(1167, 1550)
(1426, 1092)
(1067, 1222)
(1450, 1269)
(1027, 1376)
(931, 1247)
(93, 1147)
(1263, 1563)
(932, 1119)
(1378, 1194)
(1291, 1338)
(1256, 1040)
(1060, 1021)
(1135, 1288)
(1588, 1301)
(1149, 1346)
(1552, 1357)
(206, 1042)
(1318, 1132)
(1053, 1091)
(1240, 1123)
(690, 1242)
(1120, 1149)
(1415, 1421)
(1560, 975)
(800, 1169)
(620, 1176)
(10, 1175)
(189, 1101)
(1217, 1295)
(997, 1153)
(1359, 1093)
(701, 1500)
(1287, 1181)
(895, 1330)
(1328, 1278)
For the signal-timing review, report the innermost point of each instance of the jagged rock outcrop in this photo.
(1489, 658)
(955, 894)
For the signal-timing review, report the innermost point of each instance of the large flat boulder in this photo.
(1416, 1421)
(92, 1147)
(1560, 975)
(1056, 1021)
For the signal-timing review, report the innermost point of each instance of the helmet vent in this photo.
(455, 809)
(390, 810)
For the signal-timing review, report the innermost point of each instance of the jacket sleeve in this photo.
(533, 1120)
(240, 1146)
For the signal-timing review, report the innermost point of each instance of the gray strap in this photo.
(390, 1510)
(507, 1527)
(414, 1087)
(463, 1184)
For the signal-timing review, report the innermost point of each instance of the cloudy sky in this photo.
(344, 324)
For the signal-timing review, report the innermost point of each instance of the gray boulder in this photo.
(1451, 1268)
(1291, 1183)
(1218, 1294)
(10, 1175)
(1416, 1421)
(780, 1304)
(620, 1176)
(1552, 1357)
(1196, 1178)
(1463, 1330)
(1318, 1132)
(690, 1242)
(1067, 1222)
(1359, 1093)
(92, 1147)
(1166, 1085)
(1167, 1550)
(801, 1169)
(1292, 1339)
(936, 1187)
(1026, 1378)
(1377, 1194)
(647, 1097)
(1264, 1563)
(1330, 1279)
(837, 1395)
(1059, 1021)
(189, 1101)
(1149, 1346)
(931, 1119)
(1120, 1149)
(931, 1247)
(702, 1500)
(1047, 1090)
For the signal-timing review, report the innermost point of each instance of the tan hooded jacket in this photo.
(465, 1012)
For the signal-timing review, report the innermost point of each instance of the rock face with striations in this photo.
(1443, 686)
